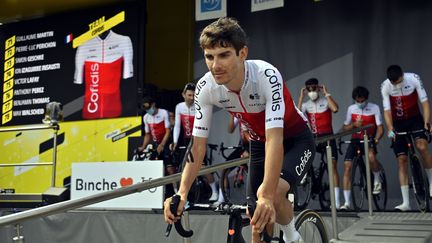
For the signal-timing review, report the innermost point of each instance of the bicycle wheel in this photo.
(420, 185)
(233, 184)
(358, 183)
(324, 192)
(380, 200)
(311, 227)
(303, 191)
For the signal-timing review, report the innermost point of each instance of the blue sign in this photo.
(211, 5)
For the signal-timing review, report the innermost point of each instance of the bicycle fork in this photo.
(235, 226)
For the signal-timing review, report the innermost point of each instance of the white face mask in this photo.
(313, 95)
(361, 105)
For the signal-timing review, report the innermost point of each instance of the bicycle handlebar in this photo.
(427, 133)
(178, 225)
(222, 149)
(223, 208)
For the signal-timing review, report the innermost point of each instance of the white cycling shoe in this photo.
(290, 234)
(403, 207)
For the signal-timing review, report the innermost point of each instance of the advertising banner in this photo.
(259, 5)
(114, 175)
(84, 141)
(210, 9)
(86, 60)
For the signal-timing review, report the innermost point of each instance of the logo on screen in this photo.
(211, 5)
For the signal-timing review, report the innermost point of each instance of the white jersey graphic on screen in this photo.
(102, 63)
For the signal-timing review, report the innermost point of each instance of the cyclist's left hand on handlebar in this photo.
(168, 215)
(427, 127)
(159, 148)
(264, 214)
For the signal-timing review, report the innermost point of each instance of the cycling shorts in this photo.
(299, 152)
(400, 145)
(165, 155)
(354, 146)
(321, 147)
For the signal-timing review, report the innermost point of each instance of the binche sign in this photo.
(96, 177)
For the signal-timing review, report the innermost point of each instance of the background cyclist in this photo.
(242, 150)
(319, 109)
(282, 146)
(157, 131)
(400, 92)
(359, 114)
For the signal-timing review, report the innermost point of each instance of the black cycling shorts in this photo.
(400, 146)
(165, 155)
(321, 147)
(299, 153)
(356, 145)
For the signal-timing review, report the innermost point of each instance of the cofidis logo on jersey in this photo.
(211, 5)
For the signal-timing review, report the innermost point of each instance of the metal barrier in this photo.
(103, 196)
(55, 128)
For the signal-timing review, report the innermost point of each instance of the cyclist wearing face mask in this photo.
(157, 131)
(401, 92)
(319, 109)
(359, 114)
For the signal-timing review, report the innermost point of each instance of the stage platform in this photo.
(89, 226)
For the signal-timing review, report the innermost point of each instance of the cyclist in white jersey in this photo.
(157, 131)
(359, 114)
(319, 109)
(282, 146)
(400, 92)
(184, 120)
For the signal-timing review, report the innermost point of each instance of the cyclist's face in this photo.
(224, 64)
(189, 97)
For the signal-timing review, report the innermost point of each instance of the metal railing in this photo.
(103, 196)
(55, 128)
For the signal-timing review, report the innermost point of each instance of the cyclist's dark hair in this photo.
(394, 72)
(189, 86)
(224, 32)
(148, 99)
(311, 81)
(360, 92)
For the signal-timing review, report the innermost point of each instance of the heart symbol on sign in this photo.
(231, 232)
(126, 181)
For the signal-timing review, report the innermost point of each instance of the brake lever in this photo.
(265, 237)
(178, 225)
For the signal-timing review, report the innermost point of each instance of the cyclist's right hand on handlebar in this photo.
(170, 218)
(391, 134)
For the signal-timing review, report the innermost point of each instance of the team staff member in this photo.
(157, 131)
(319, 109)
(184, 120)
(400, 92)
(282, 145)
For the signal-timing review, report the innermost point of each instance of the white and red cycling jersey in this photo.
(370, 114)
(184, 118)
(319, 116)
(102, 63)
(263, 102)
(402, 101)
(156, 124)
